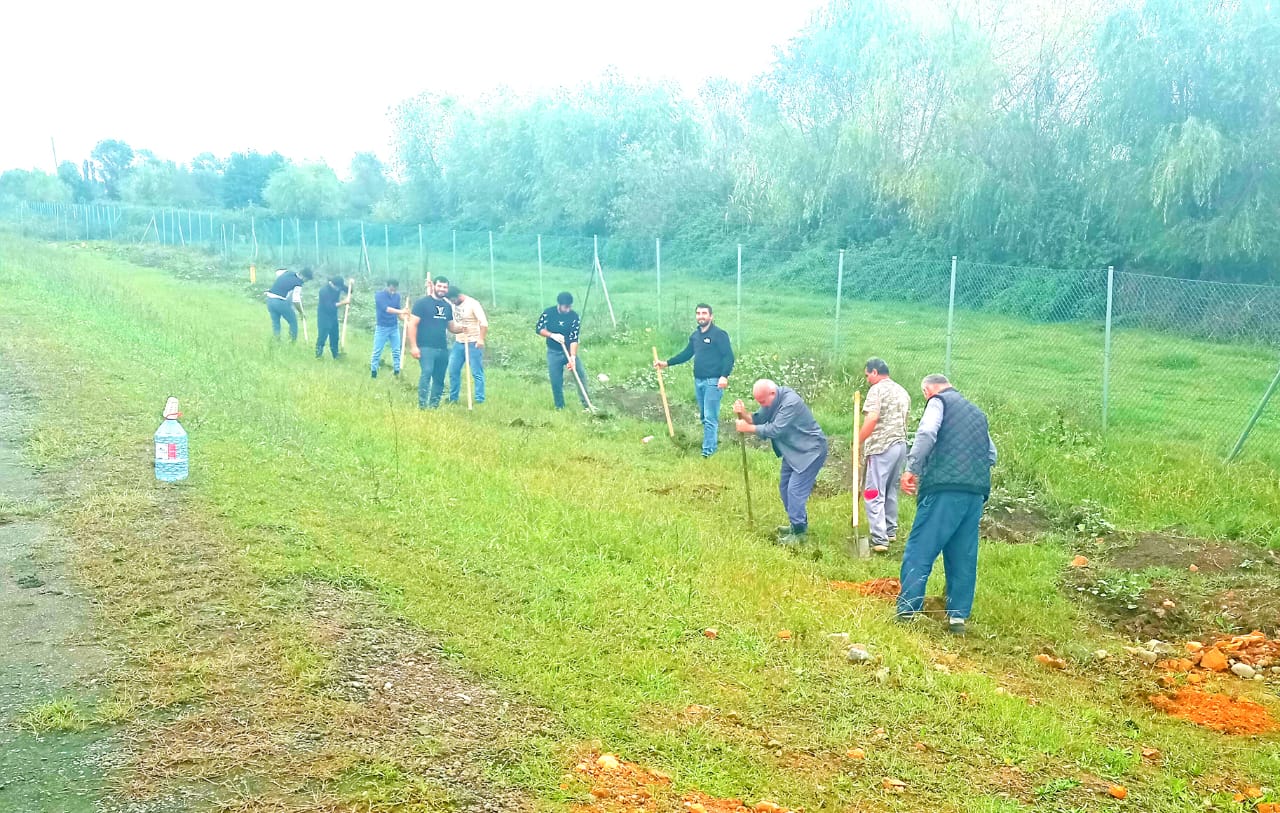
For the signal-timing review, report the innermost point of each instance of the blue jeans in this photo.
(709, 397)
(455, 370)
(556, 360)
(382, 336)
(282, 309)
(431, 383)
(946, 523)
(795, 486)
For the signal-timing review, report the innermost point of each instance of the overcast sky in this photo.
(316, 83)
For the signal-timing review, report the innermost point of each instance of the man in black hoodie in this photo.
(712, 363)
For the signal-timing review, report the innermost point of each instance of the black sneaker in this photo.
(955, 626)
(373, 373)
(396, 373)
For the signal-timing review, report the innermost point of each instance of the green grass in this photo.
(569, 564)
(58, 715)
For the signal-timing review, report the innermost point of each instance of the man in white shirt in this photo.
(470, 317)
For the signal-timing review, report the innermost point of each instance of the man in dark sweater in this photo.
(327, 304)
(712, 363)
(279, 304)
(786, 421)
(950, 466)
(560, 325)
(429, 324)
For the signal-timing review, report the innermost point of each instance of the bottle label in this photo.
(166, 451)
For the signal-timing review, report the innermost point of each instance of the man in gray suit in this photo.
(786, 421)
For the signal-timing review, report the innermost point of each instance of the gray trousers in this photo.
(883, 472)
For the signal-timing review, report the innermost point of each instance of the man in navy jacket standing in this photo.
(712, 363)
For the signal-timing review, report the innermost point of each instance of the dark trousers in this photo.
(946, 523)
(556, 361)
(327, 330)
(795, 486)
(434, 363)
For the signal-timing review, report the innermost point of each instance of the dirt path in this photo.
(251, 697)
(47, 648)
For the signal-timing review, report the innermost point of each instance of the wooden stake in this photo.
(466, 369)
(404, 336)
(302, 314)
(581, 387)
(864, 545)
(662, 390)
(346, 311)
(746, 479)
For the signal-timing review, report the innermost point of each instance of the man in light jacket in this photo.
(786, 421)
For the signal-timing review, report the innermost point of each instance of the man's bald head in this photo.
(764, 391)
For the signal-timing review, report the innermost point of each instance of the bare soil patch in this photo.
(1146, 550)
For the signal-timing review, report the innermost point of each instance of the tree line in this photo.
(1141, 134)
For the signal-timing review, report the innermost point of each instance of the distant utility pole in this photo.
(54, 147)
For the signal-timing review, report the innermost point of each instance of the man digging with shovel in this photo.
(786, 421)
(560, 326)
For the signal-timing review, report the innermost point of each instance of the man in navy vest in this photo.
(950, 468)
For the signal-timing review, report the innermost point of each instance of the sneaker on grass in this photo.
(955, 626)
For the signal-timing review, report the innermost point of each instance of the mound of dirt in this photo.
(625, 787)
(1163, 550)
(876, 588)
(1015, 525)
(1220, 712)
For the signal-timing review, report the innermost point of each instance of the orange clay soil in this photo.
(1220, 712)
(624, 787)
(878, 588)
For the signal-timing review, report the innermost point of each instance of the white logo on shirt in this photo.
(706, 341)
(440, 311)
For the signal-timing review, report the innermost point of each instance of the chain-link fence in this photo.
(1105, 351)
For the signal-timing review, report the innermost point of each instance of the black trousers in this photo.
(326, 329)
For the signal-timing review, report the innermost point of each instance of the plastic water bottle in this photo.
(171, 445)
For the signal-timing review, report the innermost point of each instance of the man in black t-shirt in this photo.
(278, 304)
(560, 325)
(329, 301)
(429, 324)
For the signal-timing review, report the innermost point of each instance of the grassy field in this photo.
(572, 568)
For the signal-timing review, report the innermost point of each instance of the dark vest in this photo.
(960, 459)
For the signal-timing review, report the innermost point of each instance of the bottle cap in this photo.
(171, 408)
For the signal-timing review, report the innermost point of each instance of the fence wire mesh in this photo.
(1030, 338)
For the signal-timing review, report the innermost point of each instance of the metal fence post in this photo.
(657, 263)
(1106, 349)
(542, 298)
(737, 335)
(493, 280)
(951, 318)
(839, 296)
(1257, 413)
